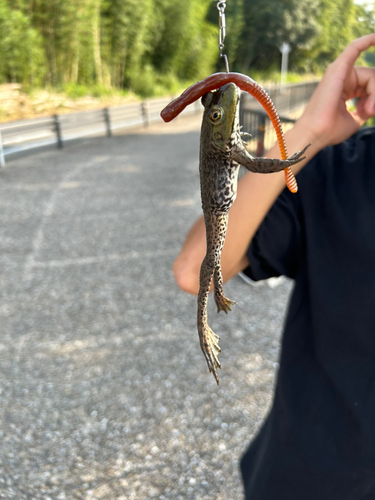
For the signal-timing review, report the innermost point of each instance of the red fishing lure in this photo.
(244, 82)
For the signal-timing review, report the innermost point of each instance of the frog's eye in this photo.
(216, 115)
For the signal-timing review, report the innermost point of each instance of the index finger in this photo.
(349, 56)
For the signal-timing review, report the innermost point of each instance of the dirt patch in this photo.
(15, 104)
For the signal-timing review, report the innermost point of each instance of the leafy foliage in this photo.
(149, 46)
(269, 24)
(316, 30)
(22, 56)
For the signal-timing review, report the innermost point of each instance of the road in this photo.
(104, 392)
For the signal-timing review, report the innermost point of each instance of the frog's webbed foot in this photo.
(297, 156)
(265, 165)
(210, 346)
(223, 304)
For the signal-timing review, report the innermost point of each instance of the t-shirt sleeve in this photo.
(276, 248)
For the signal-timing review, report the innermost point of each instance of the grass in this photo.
(151, 84)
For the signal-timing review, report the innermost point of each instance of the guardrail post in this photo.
(107, 121)
(144, 108)
(2, 159)
(242, 114)
(57, 127)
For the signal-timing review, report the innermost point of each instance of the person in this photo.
(318, 440)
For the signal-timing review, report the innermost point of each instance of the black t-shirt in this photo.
(318, 442)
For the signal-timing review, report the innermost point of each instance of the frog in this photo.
(222, 151)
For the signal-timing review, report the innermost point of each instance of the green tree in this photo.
(115, 29)
(235, 26)
(336, 20)
(186, 42)
(126, 34)
(68, 29)
(268, 24)
(22, 56)
(365, 24)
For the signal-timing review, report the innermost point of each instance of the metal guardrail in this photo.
(289, 100)
(289, 97)
(24, 135)
(258, 125)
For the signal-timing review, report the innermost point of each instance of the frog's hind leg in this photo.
(209, 341)
(222, 302)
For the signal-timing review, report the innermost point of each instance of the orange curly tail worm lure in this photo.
(244, 82)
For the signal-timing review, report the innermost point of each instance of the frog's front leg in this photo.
(264, 165)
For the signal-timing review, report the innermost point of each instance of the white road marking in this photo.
(84, 261)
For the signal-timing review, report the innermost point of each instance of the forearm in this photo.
(256, 194)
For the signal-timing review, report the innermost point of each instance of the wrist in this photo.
(300, 136)
(308, 135)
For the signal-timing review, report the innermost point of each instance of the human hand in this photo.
(327, 119)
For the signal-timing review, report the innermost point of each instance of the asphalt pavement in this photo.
(104, 392)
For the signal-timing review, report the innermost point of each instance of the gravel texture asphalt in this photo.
(104, 392)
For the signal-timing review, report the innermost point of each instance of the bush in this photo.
(75, 90)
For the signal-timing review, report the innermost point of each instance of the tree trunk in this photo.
(96, 38)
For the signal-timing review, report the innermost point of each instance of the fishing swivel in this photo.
(221, 5)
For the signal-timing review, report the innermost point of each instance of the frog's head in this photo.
(221, 116)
